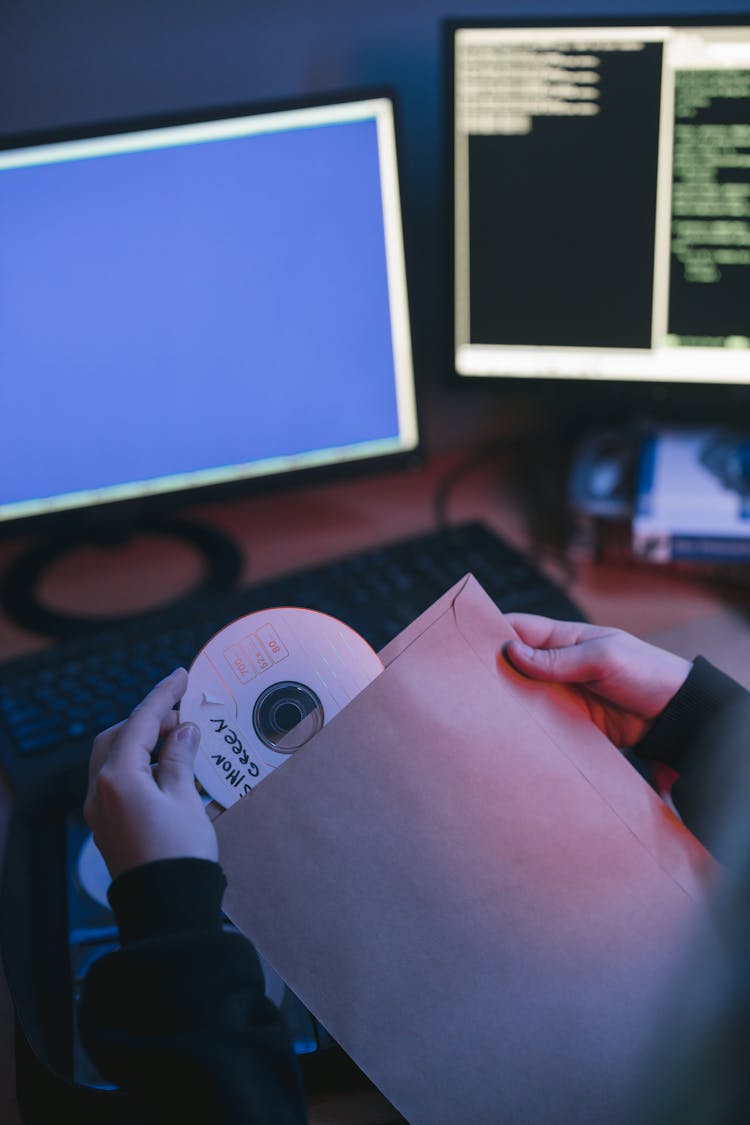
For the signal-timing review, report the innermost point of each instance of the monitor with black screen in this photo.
(601, 199)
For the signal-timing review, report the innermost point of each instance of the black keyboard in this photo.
(52, 703)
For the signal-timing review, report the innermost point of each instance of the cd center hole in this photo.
(287, 715)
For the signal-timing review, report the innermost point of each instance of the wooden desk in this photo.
(285, 531)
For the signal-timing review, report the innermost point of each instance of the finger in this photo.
(174, 772)
(103, 743)
(140, 733)
(571, 664)
(546, 632)
(100, 750)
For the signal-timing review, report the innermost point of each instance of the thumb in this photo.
(177, 758)
(559, 665)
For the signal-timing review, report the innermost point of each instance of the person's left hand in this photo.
(138, 812)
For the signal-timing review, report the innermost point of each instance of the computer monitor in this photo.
(600, 183)
(188, 304)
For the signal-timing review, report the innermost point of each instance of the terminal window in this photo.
(602, 201)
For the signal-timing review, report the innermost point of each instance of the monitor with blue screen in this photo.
(196, 303)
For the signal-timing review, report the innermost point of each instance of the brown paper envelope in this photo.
(469, 887)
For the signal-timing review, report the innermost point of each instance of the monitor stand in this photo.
(20, 593)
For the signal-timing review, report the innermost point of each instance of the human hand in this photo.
(139, 813)
(624, 682)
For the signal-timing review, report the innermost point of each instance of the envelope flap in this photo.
(408, 635)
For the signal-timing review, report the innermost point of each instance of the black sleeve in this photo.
(704, 734)
(178, 1016)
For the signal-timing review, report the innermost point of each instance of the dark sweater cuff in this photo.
(168, 896)
(704, 694)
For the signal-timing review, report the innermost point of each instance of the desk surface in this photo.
(286, 531)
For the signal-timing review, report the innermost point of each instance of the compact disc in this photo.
(263, 686)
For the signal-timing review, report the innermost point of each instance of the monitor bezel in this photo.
(672, 399)
(113, 514)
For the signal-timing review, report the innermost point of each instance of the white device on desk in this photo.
(693, 493)
(681, 493)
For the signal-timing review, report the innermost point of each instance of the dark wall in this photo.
(73, 61)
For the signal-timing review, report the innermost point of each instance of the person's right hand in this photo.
(137, 812)
(624, 682)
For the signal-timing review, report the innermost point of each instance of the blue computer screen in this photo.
(184, 308)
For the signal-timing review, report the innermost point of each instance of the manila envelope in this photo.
(474, 892)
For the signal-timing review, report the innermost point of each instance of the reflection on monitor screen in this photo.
(201, 302)
(601, 186)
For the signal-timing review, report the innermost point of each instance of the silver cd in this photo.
(263, 686)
